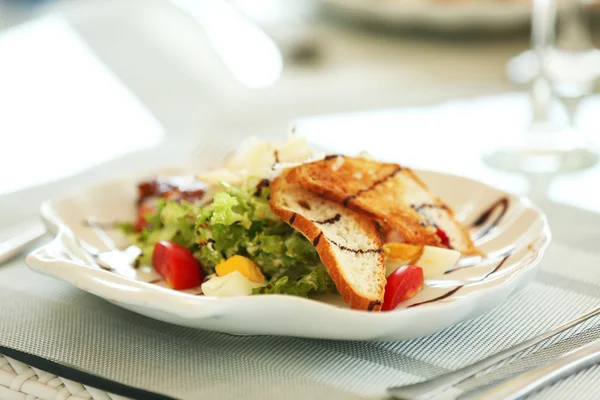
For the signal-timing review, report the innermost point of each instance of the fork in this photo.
(432, 387)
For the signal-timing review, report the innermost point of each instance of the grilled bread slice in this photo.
(349, 244)
(389, 193)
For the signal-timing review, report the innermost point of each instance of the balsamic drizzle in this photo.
(420, 209)
(456, 289)
(428, 220)
(469, 262)
(442, 297)
(317, 239)
(372, 186)
(374, 304)
(261, 185)
(328, 221)
(485, 216)
(422, 206)
(276, 161)
(497, 267)
(481, 220)
(356, 251)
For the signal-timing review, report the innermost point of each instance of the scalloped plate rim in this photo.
(200, 307)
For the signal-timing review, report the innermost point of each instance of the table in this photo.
(191, 96)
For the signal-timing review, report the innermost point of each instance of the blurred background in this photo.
(438, 84)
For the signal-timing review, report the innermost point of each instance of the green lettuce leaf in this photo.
(315, 282)
(237, 222)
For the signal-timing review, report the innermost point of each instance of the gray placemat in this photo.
(48, 318)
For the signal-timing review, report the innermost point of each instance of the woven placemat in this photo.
(70, 328)
(19, 381)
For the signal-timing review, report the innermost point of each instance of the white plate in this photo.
(522, 233)
(437, 15)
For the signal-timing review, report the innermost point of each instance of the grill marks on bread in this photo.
(368, 187)
(372, 186)
(386, 192)
(348, 243)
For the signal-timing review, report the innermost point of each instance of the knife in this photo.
(251, 56)
(428, 389)
(566, 365)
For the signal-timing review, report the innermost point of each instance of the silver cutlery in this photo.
(428, 389)
(15, 245)
(562, 367)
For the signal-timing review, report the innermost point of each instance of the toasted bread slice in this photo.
(349, 243)
(387, 192)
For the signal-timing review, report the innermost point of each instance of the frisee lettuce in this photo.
(316, 281)
(238, 221)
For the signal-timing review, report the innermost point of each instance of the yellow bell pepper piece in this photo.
(243, 265)
(402, 251)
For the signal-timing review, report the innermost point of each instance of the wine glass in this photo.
(548, 144)
(573, 63)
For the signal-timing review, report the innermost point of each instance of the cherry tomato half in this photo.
(402, 284)
(176, 265)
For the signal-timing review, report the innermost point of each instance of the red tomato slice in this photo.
(176, 265)
(444, 237)
(140, 220)
(402, 284)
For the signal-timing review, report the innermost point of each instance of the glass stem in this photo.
(541, 98)
(543, 23)
(571, 106)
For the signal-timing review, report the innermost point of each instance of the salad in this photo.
(236, 231)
